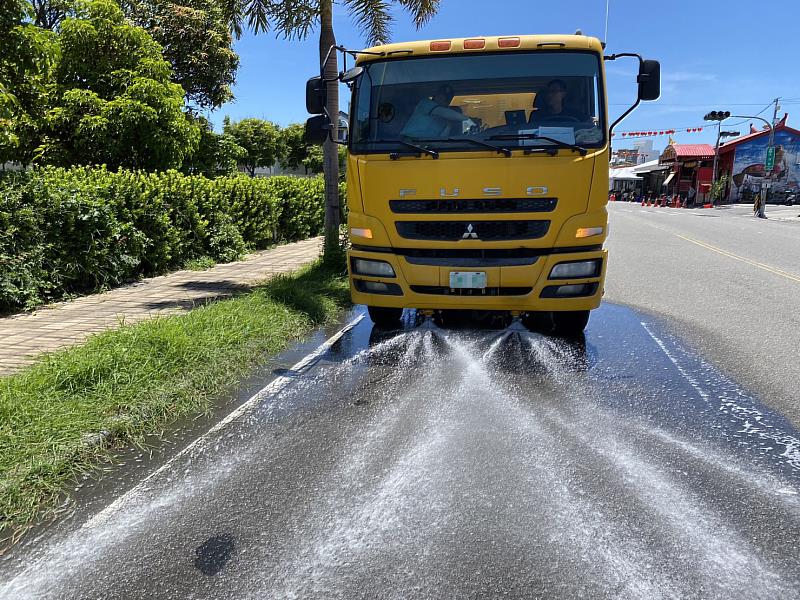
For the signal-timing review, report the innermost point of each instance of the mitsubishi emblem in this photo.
(469, 233)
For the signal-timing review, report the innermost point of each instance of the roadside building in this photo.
(743, 161)
(652, 174)
(623, 179)
(689, 166)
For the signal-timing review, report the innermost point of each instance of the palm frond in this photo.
(257, 13)
(294, 19)
(233, 13)
(421, 10)
(373, 17)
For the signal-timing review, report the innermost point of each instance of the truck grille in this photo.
(452, 231)
(482, 205)
(491, 291)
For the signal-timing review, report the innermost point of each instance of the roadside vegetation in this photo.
(135, 380)
(65, 232)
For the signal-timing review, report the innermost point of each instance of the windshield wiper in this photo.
(533, 136)
(395, 155)
(498, 149)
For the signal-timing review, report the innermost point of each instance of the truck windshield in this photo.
(445, 101)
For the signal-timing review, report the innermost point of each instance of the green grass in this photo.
(134, 380)
(199, 264)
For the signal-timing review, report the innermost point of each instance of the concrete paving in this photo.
(26, 336)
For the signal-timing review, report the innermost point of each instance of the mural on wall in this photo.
(748, 167)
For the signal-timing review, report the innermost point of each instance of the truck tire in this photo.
(570, 323)
(384, 316)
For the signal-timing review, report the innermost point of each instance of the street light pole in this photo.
(716, 158)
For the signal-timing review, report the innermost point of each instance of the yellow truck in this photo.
(477, 175)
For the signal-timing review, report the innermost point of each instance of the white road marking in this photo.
(692, 381)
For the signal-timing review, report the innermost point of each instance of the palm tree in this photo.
(296, 19)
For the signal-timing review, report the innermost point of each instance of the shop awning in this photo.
(650, 167)
(668, 179)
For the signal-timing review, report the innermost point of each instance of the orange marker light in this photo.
(474, 44)
(440, 46)
(585, 232)
(508, 42)
(361, 232)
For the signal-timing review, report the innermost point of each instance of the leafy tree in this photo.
(27, 57)
(299, 153)
(195, 36)
(216, 154)
(114, 102)
(197, 42)
(260, 139)
(296, 19)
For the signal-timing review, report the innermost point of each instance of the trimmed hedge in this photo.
(80, 230)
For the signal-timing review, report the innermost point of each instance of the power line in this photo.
(705, 105)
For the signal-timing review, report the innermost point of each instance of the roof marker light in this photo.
(510, 42)
(474, 44)
(440, 46)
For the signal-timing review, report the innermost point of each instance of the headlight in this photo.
(576, 270)
(372, 268)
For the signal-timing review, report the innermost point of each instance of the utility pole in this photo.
(768, 175)
(716, 158)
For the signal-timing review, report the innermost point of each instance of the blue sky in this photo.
(714, 55)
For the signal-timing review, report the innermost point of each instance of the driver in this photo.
(551, 105)
(433, 116)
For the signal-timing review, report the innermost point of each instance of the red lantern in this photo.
(660, 133)
(623, 134)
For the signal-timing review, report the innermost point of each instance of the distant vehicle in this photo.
(788, 196)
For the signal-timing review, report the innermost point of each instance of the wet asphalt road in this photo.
(727, 283)
(458, 464)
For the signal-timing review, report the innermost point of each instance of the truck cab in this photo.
(477, 178)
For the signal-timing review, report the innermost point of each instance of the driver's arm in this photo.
(449, 114)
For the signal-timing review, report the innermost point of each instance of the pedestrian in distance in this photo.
(690, 195)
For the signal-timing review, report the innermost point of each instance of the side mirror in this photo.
(317, 130)
(316, 95)
(649, 80)
(351, 74)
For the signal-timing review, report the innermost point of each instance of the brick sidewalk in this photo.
(68, 323)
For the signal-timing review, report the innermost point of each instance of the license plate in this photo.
(468, 279)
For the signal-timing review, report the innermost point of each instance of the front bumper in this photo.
(514, 288)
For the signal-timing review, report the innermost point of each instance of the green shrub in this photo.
(80, 230)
